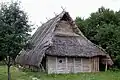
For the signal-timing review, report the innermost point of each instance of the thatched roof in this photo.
(73, 46)
(59, 37)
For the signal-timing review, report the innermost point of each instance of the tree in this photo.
(14, 32)
(103, 29)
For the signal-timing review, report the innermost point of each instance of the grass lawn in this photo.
(20, 75)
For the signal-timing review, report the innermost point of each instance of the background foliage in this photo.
(103, 29)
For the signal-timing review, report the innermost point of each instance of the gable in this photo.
(64, 28)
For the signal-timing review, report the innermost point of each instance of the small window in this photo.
(60, 61)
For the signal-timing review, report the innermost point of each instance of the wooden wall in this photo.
(71, 65)
(95, 64)
(51, 64)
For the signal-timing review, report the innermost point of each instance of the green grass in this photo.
(20, 75)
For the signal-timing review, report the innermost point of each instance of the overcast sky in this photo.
(39, 10)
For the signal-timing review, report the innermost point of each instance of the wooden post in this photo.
(66, 65)
(106, 66)
(74, 64)
(98, 64)
(56, 64)
(81, 65)
(90, 65)
(95, 64)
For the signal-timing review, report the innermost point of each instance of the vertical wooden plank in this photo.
(66, 61)
(81, 65)
(47, 63)
(106, 66)
(98, 63)
(74, 64)
(70, 65)
(94, 64)
(56, 64)
(90, 65)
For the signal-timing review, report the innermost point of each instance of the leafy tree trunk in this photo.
(8, 65)
(9, 75)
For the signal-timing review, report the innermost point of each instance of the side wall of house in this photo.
(71, 65)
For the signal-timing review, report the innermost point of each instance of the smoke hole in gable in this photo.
(66, 17)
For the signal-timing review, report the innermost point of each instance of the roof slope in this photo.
(73, 46)
(47, 40)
